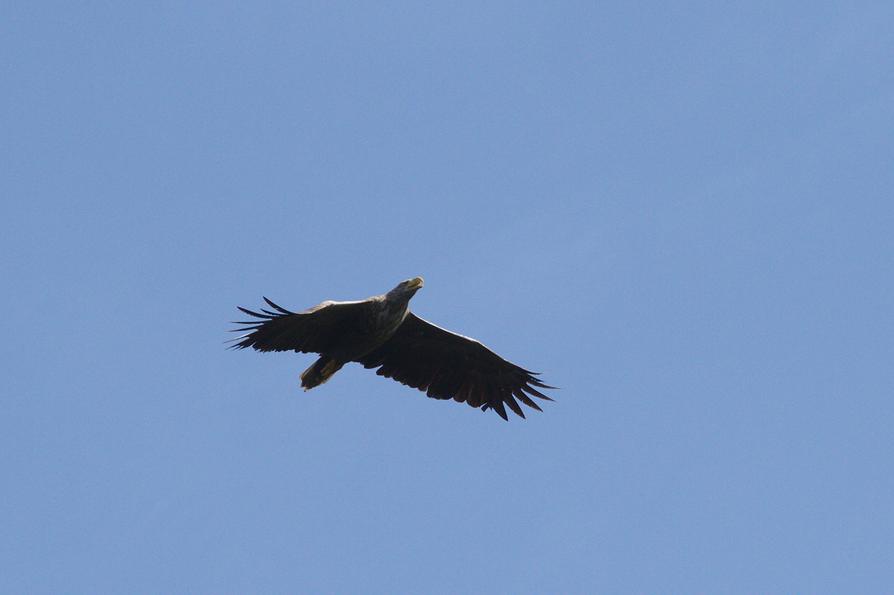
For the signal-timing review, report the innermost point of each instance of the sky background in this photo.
(680, 214)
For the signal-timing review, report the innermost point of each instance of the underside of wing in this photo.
(446, 365)
(322, 329)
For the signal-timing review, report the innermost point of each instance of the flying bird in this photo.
(381, 332)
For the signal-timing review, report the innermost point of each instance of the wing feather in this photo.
(325, 328)
(447, 365)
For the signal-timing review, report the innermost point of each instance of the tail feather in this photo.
(321, 371)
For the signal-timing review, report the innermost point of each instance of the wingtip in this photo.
(276, 307)
(500, 409)
(513, 404)
(534, 392)
(532, 379)
(253, 313)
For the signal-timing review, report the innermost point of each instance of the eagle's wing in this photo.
(450, 366)
(320, 329)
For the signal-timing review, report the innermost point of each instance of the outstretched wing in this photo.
(321, 329)
(450, 366)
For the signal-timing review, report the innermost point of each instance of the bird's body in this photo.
(381, 332)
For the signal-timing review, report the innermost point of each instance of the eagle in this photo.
(381, 332)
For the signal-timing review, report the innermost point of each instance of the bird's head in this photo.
(406, 289)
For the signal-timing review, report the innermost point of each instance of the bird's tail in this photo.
(320, 372)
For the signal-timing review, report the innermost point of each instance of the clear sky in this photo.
(681, 215)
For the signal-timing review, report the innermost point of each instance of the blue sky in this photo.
(681, 215)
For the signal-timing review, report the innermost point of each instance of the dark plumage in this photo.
(381, 332)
